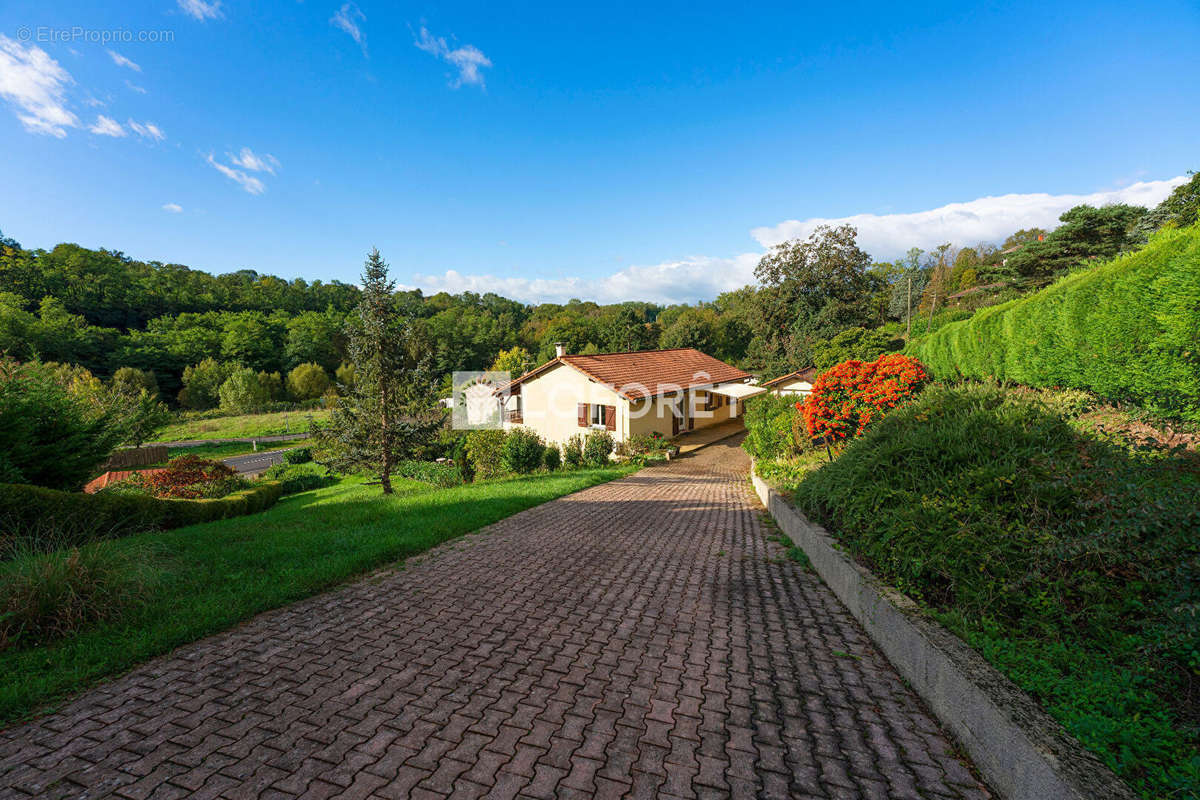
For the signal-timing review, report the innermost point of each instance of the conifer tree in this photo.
(380, 420)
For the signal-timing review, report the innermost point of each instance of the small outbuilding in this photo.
(794, 383)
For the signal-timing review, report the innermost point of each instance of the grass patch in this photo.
(44, 596)
(206, 426)
(1067, 557)
(214, 575)
(790, 469)
(230, 449)
(792, 552)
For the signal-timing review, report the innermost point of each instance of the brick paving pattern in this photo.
(643, 638)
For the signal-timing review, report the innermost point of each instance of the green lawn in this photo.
(229, 449)
(207, 578)
(241, 426)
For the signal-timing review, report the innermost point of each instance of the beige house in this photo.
(797, 383)
(628, 394)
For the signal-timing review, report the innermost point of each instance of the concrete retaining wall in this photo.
(1019, 749)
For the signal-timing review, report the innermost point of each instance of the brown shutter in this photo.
(610, 418)
(583, 415)
(674, 423)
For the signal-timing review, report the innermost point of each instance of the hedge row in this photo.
(63, 519)
(1126, 330)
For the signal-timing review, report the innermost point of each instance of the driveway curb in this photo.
(1019, 749)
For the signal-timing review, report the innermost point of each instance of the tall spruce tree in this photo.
(380, 421)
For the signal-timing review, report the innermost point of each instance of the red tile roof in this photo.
(113, 476)
(808, 374)
(647, 373)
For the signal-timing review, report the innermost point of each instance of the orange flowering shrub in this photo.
(846, 399)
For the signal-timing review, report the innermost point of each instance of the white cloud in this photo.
(687, 280)
(248, 182)
(147, 130)
(348, 18)
(174, 208)
(987, 219)
(883, 236)
(247, 159)
(106, 126)
(199, 9)
(134, 86)
(35, 84)
(122, 61)
(468, 59)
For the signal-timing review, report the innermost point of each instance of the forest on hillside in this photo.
(816, 301)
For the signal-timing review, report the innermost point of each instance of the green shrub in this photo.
(308, 381)
(857, 344)
(485, 450)
(523, 451)
(242, 392)
(641, 444)
(552, 458)
(202, 384)
(597, 448)
(573, 452)
(298, 455)
(1128, 330)
(44, 519)
(50, 436)
(1070, 561)
(131, 381)
(296, 478)
(48, 595)
(272, 384)
(442, 474)
(774, 428)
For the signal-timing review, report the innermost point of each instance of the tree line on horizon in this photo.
(816, 301)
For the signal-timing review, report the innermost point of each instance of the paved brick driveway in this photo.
(640, 638)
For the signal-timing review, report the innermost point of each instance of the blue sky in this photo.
(549, 151)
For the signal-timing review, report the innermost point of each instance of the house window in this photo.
(596, 418)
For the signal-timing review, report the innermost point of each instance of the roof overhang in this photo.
(738, 391)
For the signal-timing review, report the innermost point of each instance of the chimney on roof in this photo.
(560, 349)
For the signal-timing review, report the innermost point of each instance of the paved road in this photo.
(280, 437)
(254, 463)
(641, 638)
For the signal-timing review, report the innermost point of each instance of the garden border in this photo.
(1019, 749)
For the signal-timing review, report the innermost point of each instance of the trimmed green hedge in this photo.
(63, 519)
(1126, 330)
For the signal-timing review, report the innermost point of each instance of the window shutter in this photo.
(583, 415)
(610, 418)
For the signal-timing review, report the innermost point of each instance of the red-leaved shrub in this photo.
(187, 477)
(846, 399)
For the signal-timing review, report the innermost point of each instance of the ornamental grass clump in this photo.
(848, 398)
(44, 596)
